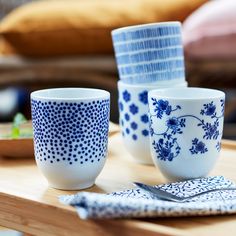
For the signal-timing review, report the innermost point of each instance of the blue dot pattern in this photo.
(70, 132)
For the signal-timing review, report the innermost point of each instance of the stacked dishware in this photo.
(148, 57)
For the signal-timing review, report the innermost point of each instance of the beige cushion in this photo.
(51, 28)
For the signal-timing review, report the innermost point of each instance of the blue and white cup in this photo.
(186, 126)
(134, 120)
(70, 135)
(150, 53)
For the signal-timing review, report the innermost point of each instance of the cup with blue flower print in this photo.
(70, 127)
(149, 53)
(134, 120)
(186, 126)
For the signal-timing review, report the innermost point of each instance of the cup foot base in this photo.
(72, 187)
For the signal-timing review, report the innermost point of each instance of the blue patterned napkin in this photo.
(138, 203)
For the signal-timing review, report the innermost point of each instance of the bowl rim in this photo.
(84, 94)
(131, 28)
(186, 93)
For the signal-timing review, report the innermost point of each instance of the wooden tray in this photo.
(28, 205)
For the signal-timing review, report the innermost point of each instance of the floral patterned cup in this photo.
(134, 120)
(186, 126)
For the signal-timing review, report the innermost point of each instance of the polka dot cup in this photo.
(70, 135)
(134, 119)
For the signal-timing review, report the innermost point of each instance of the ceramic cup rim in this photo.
(131, 28)
(153, 86)
(186, 93)
(88, 94)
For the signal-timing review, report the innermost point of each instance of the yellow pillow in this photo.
(51, 28)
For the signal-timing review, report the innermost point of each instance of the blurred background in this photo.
(55, 43)
(67, 43)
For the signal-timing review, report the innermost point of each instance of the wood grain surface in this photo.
(27, 204)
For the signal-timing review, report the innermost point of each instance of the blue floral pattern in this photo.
(218, 146)
(175, 125)
(222, 101)
(209, 110)
(143, 97)
(198, 147)
(126, 96)
(145, 132)
(162, 107)
(167, 147)
(144, 118)
(121, 106)
(134, 125)
(211, 130)
(132, 109)
(127, 117)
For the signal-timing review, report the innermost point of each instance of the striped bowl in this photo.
(149, 53)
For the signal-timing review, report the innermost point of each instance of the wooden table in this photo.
(28, 205)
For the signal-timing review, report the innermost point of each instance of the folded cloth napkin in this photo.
(138, 203)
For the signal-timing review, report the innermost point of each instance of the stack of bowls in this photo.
(148, 57)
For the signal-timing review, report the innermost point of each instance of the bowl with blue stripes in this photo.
(149, 53)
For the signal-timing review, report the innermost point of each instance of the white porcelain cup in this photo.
(186, 126)
(70, 135)
(134, 120)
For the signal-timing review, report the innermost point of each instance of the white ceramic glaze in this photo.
(186, 126)
(135, 124)
(70, 135)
